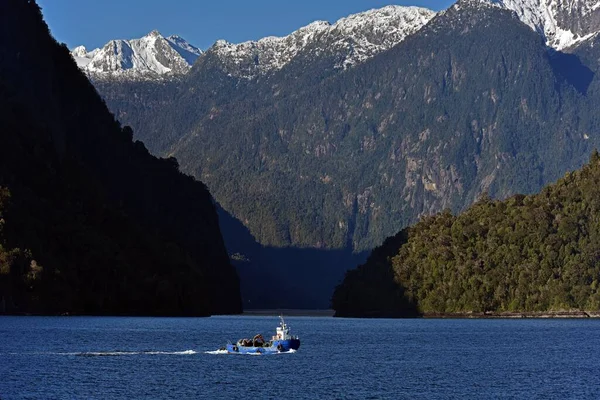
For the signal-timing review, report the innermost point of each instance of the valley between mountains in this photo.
(431, 137)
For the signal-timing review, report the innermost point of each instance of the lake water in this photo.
(135, 358)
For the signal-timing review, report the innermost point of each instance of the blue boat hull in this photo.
(278, 346)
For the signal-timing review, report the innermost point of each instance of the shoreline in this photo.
(329, 313)
(467, 315)
(512, 315)
(288, 313)
(572, 314)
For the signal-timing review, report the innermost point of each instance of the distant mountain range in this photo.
(355, 39)
(338, 135)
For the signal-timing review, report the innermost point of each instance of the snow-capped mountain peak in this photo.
(562, 23)
(148, 57)
(79, 51)
(354, 39)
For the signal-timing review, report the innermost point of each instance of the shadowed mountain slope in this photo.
(90, 222)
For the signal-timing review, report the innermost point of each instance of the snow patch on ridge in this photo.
(562, 23)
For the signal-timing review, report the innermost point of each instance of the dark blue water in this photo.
(128, 358)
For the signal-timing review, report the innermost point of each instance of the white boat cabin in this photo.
(283, 331)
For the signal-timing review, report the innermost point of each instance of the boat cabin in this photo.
(282, 331)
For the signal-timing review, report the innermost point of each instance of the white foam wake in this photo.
(216, 352)
(173, 353)
(128, 353)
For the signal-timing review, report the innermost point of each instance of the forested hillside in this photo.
(90, 222)
(527, 253)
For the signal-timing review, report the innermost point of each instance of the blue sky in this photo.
(93, 23)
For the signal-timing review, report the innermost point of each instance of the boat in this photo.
(281, 342)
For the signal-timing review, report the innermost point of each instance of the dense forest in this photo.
(90, 222)
(527, 253)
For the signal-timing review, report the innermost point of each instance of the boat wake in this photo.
(128, 353)
(216, 352)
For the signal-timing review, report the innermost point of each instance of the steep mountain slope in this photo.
(525, 254)
(152, 56)
(90, 222)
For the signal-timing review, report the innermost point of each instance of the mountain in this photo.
(211, 81)
(311, 155)
(405, 286)
(348, 158)
(150, 57)
(349, 41)
(90, 222)
(536, 253)
(562, 23)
